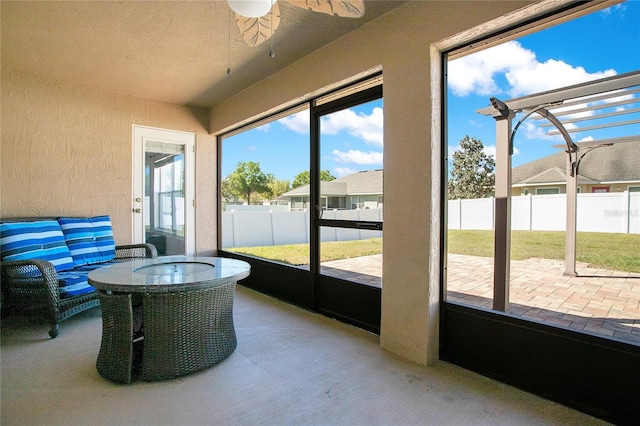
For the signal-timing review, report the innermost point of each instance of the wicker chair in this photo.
(32, 287)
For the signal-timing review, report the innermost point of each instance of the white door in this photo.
(163, 202)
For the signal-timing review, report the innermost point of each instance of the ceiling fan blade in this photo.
(255, 31)
(344, 8)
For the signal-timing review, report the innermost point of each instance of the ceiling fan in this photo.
(257, 20)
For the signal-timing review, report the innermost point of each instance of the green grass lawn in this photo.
(298, 254)
(620, 252)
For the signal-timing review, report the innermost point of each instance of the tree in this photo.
(279, 186)
(472, 172)
(304, 178)
(245, 180)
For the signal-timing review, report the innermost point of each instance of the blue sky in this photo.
(351, 140)
(598, 45)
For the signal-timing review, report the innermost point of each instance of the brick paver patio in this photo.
(597, 301)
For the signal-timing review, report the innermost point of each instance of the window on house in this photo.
(334, 203)
(597, 189)
(547, 191)
(299, 203)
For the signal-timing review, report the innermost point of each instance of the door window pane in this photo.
(351, 166)
(164, 197)
(351, 254)
(351, 189)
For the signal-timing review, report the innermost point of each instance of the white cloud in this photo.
(343, 171)
(586, 139)
(490, 150)
(530, 130)
(357, 157)
(369, 128)
(569, 126)
(298, 122)
(264, 128)
(477, 73)
(552, 74)
(618, 8)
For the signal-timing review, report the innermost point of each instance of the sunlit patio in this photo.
(597, 301)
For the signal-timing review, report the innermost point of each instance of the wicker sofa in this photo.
(45, 262)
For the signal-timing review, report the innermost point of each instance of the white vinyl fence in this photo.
(246, 228)
(612, 212)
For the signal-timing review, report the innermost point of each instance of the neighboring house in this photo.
(360, 190)
(613, 168)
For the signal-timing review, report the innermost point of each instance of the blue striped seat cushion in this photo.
(35, 240)
(90, 239)
(73, 283)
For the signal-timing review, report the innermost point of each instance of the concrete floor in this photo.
(291, 367)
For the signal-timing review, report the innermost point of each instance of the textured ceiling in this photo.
(170, 51)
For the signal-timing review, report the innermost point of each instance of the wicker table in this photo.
(166, 317)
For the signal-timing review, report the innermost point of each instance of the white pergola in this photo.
(580, 103)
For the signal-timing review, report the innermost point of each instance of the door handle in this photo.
(138, 210)
(369, 225)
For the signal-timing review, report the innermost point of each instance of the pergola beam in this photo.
(556, 97)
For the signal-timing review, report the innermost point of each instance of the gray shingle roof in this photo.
(362, 183)
(359, 183)
(617, 163)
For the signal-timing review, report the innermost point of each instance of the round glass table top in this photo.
(170, 273)
(174, 268)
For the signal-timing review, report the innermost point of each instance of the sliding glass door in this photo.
(348, 201)
(302, 195)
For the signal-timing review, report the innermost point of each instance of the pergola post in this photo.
(502, 221)
(572, 204)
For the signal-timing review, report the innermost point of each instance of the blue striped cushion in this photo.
(88, 268)
(73, 283)
(90, 239)
(35, 240)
